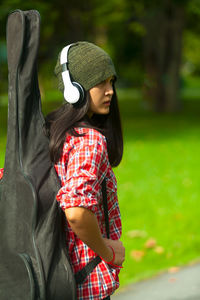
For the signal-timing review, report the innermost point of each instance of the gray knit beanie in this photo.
(88, 64)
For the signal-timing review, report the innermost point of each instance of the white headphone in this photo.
(73, 91)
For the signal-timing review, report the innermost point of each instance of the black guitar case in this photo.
(33, 259)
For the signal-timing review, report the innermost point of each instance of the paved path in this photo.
(182, 285)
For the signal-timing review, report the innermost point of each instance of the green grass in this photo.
(158, 187)
(158, 183)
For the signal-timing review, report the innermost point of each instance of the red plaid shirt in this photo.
(81, 169)
(1, 173)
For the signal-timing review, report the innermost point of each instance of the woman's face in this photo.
(100, 97)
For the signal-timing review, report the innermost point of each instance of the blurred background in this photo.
(155, 48)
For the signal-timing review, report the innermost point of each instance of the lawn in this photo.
(159, 190)
(158, 185)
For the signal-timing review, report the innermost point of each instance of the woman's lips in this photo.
(107, 103)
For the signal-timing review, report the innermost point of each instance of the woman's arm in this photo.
(85, 225)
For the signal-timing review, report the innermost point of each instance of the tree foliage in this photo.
(140, 36)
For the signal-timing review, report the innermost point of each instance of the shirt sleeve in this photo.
(86, 168)
(1, 173)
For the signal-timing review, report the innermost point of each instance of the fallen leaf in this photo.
(136, 234)
(150, 243)
(172, 279)
(173, 269)
(159, 250)
(137, 255)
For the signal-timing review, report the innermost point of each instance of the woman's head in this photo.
(88, 65)
(92, 68)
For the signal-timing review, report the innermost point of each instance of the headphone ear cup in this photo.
(73, 91)
(81, 91)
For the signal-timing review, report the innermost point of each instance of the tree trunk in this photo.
(162, 49)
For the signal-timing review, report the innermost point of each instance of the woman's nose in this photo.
(109, 89)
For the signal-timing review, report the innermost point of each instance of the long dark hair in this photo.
(66, 118)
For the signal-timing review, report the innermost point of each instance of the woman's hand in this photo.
(119, 250)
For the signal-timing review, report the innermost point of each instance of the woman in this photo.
(85, 141)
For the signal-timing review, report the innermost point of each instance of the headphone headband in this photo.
(64, 54)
